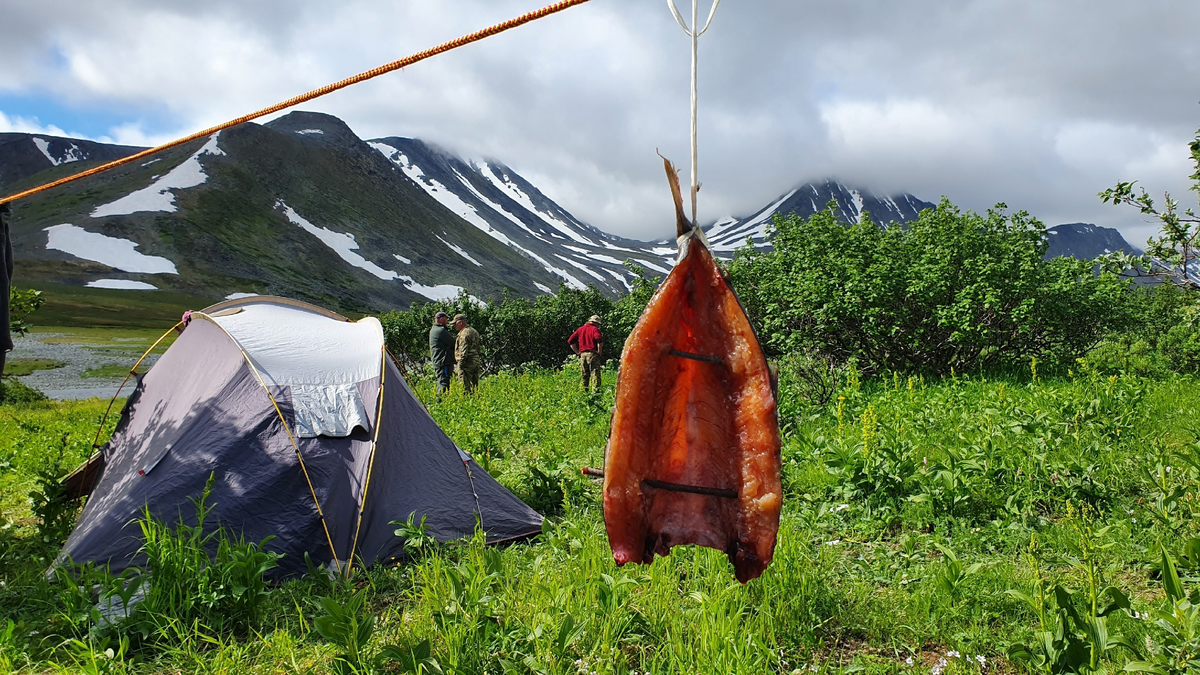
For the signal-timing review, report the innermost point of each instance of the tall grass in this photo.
(912, 509)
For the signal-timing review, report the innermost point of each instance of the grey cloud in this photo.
(1037, 104)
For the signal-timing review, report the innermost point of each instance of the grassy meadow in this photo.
(928, 527)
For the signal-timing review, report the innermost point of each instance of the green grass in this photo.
(16, 367)
(109, 308)
(107, 370)
(879, 485)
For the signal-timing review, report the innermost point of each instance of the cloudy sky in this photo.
(1036, 104)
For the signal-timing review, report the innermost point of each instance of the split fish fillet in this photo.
(693, 454)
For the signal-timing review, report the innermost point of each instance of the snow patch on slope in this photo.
(494, 206)
(73, 155)
(513, 192)
(619, 277)
(158, 196)
(117, 253)
(122, 285)
(459, 251)
(451, 201)
(583, 268)
(439, 292)
(543, 288)
(343, 244)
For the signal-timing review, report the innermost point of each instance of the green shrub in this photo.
(519, 333)
(1180, 347)
(1122, 354)
(14, 391)
(950, 291)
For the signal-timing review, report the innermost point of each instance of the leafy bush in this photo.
(14, 391)
(952, 290)
(1161, 332)
(518, 332)
(50, 503)
(20, 305)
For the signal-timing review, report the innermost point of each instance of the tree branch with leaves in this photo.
(1173, 255)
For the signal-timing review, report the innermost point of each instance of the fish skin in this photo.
(691, 422)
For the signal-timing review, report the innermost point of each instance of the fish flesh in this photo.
(693, 453)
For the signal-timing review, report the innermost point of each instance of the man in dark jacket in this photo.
(441, 351)
(6, 272)
(588, 343)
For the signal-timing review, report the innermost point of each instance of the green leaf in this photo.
(1170, 578)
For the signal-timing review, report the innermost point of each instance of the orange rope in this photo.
(375, 72)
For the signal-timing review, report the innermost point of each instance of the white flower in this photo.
(1168, 469)
(841, 507)
(980, 659)
(908, 661)
(835, 542)
(953, 654)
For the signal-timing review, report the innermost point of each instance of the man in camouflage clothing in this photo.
(466, 353)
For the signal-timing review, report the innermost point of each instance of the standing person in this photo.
(466, 353)
(6, 272)
(441, 351)
(589, 344)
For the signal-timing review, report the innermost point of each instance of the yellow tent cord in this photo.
(131, 373)
(104, 418)
(288, 429)
(297, 100)
(370, 463)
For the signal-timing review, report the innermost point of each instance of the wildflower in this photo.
(835, 542)
(953, 654)
(1134, 520)
(980, 659)
(841, 507)
(908, 661)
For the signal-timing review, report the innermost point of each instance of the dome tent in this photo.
(289, 406)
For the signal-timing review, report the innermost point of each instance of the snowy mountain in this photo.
(729, 233)
(302, 207)
(23, 155)
(506, 207)
(1084, 241)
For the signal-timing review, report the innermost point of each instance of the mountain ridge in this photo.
(301, 206)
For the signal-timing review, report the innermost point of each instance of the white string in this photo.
(695, 35)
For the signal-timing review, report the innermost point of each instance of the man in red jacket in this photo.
(589, 344)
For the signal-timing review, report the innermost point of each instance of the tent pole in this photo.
(288, 429)
(370, 462)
